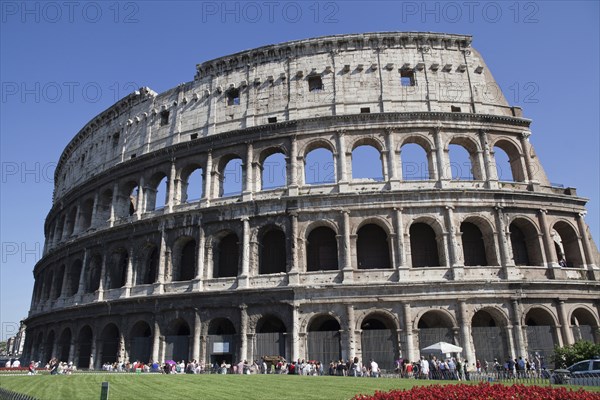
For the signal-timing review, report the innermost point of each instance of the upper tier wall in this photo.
(358, 73)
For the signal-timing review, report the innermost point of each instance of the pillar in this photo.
(208, 178)
(113, 204)
(248, 190)
(506, 257)
(351, 345)
(567, 332)
(129, 275)
(94, 211)
(156, 343)
(518, 328)
(200, 258)
(465, 328)
(391, 159)
(84, 267)
(342, 177)
(587, 247)
(551, 258)
(196, 338)
(491, 176)
(440, 171)
(400, 253)
(525, 151)
(408, 328)
(347, 250)
(139, 207)
(244, 277)
(293, 181)
(295, 331)
(100, 296)
(455, 250)
(293, 273)
(171, 187)
(162, 254)
(243, 332)
(513, 350)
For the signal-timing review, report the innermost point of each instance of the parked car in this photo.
(585, 373)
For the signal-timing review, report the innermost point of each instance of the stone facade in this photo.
(332, 268)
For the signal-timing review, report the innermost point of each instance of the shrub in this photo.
(568, 355)
(483, 391)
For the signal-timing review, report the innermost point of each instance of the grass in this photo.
(156, 386)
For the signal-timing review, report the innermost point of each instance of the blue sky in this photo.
(64, 62)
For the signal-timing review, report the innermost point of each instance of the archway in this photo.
(140, 348)
(64, 345)
(372, 249)
(273, 256)
(423, 246)
(270, 337)
(222, 341)
(379, 341)
(321, 250)
(85, 339)
(435, 326)
(324, 339)
(109, 344)
(473, 245)
(584, 326)
(227, 261)
(177, 341)
(541, 334)
(489, 337)
(49, 347)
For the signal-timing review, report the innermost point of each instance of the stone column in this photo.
(208, 178)
(295, 331)
(200, 259)
(156, 343)
(351, 346)
(567, 332)
(139, 207)
(347, 250)
(248, 190)
(243, 332)
(243, 280)
(84, 267)
(196, 338)
(113, 204)
(72, 351)
(587, 247)
(440, 171)
(391, 159)
(506, 258)
(401, 265)
(171, 186)
(342, 178)
(465, 328)
(100, 291)
(293, 273)
(94, 216)
(513, 350)
(525, 151)
(129, 275)
(65, 280)
(551, 259)
(518, 328)
(77, 221)
(456, 260)
(408, 328)
(491, 175)
(293, 181)
(162, 255)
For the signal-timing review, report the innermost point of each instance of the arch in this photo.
(84, 342)
(524, 239)
(324, 338)
(231, 176)
(372, 248)
(508, 161)
(379, 340)
(109, 344)
(192, 183)
(222, 341)
(321, 250)
(49, 346)
(73, 278)
(148, 269)
(463, 159)
(423, 245)
(64, 345)
(140, 342)
(177, 340)
(319, 167)
(126, 204)
(94, 273)
(57, 286)
(184, 259)
(367, 163)
(416, 162)
(566, 244)
(273, 252)
(117, 269)
(270, 337)
(48, 281)
(541, 333)
(435, 326)
(584, 325)
(474, 251)
(273, 169)
(70, 220)
(226, 264)
(87, 209)
(489, 335)
(155, 193)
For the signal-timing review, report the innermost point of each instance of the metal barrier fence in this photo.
(10, 395)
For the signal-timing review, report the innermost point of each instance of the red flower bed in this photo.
(483, 391)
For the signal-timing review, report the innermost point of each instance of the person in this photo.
(16, 363)
(563, 263)
(466, 370)
(424, 368)
(8, 364)
(53, 366)
(374, 369)
(32, 370)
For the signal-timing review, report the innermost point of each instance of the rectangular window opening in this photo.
(365, 110)
(233, 97)
(164, 118)
(315, 83)
(272, 120)
(454, 109)
(407, 78)
(194, 136)
(133, 155)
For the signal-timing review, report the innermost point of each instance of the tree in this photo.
(568, 355)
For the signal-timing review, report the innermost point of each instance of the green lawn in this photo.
(230, 387)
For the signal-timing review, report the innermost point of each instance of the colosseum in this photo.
(229, 217)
